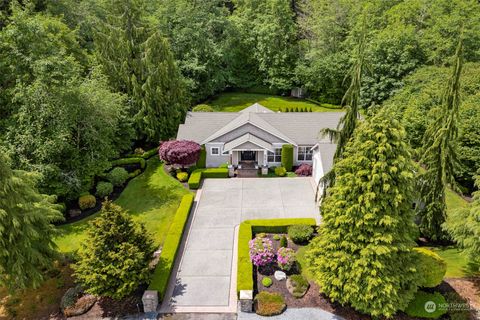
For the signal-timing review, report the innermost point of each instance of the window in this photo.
(215, 151)
(275, 156)
(304, 153)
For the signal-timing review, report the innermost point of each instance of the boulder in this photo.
(72, 213)
(81, 306)
(280, 275)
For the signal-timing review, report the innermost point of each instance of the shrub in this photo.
(300, 233)
(135, 173)
(203, 108)
(269, 304)
(150, 153)
(418, 306)
(191, 169)
(104, 189)
(431, 267)
(283, 242)
(170, 247)
(126, 161)
(247, 229)
(202, 159)
(454, 299)
(179, 152)
(300, 285)
(304, 170)
(87, 202)
(182, 176)
(276, 237)
(70, 297)
(123, 261)
(139, 151)
(287, 156)
(280, 171)
(261, 251)
(267, 282)
(285, 258)
(194, 180)
(118, 176)
(223, 165)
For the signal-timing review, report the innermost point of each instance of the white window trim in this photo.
(308, 150)
(213, 154)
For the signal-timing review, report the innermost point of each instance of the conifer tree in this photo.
(114, 259)
(439, 155)
(161, 96)
(463, 225)
(363, 253)
(26, 229)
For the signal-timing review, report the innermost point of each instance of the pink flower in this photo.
(285, 258)
(261, 251)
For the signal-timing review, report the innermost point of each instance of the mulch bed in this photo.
(314, 299)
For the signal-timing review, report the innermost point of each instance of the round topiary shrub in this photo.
(118, 176)
(431, 267)
(202, 108)
(269, 304)
(182, 176)
(87, 202)
(267, 282)
(300, 233)
(104, 189)
(287, 156)
(427, 305)
(280, 171)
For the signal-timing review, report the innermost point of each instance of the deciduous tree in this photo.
(179, 152)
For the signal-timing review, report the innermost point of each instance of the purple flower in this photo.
(285, 258)
(261, 251)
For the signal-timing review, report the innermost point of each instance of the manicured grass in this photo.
(236, 101)
(152, 198)
(454, 200)
(458, 265)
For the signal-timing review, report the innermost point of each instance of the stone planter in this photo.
(246, 301)
(264, 170)
(231, 171)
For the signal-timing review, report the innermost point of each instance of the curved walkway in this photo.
(205, 278)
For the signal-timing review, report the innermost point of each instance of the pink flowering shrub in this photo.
(304, 170)
(261, 251)
(285, 258)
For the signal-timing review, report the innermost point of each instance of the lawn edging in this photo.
(247, 229)
(199, 174)
(170, 247)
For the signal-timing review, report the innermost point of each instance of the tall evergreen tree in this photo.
(363, 253)
(26, 230)
(439, 155)
(139, 62)
(160, 93)
(115, 256)
(463, 225)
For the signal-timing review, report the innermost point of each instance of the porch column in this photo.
(235, 158)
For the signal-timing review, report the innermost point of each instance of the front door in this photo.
(247, 156)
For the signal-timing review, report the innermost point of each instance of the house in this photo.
(256, 135)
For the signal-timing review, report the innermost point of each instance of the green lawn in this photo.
(236, 101)
(454, 200)
(151, 198)
(457, 262)
(302, 263)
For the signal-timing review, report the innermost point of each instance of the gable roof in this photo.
(256, 108)
(298, 128)
(248, 118)
(247, 140)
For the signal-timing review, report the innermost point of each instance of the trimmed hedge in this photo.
(125, 161)
(287, 157)
(431, 266)
(150, 153)
(170, 247)
(202, 159)
(247, 229)
(199, 174)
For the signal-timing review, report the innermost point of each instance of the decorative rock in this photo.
(246, 301)
(72, 213)
(291, 289)
(150, 301)
(280, 275)
(82, 305)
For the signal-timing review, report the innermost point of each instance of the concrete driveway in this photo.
(205, 278)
